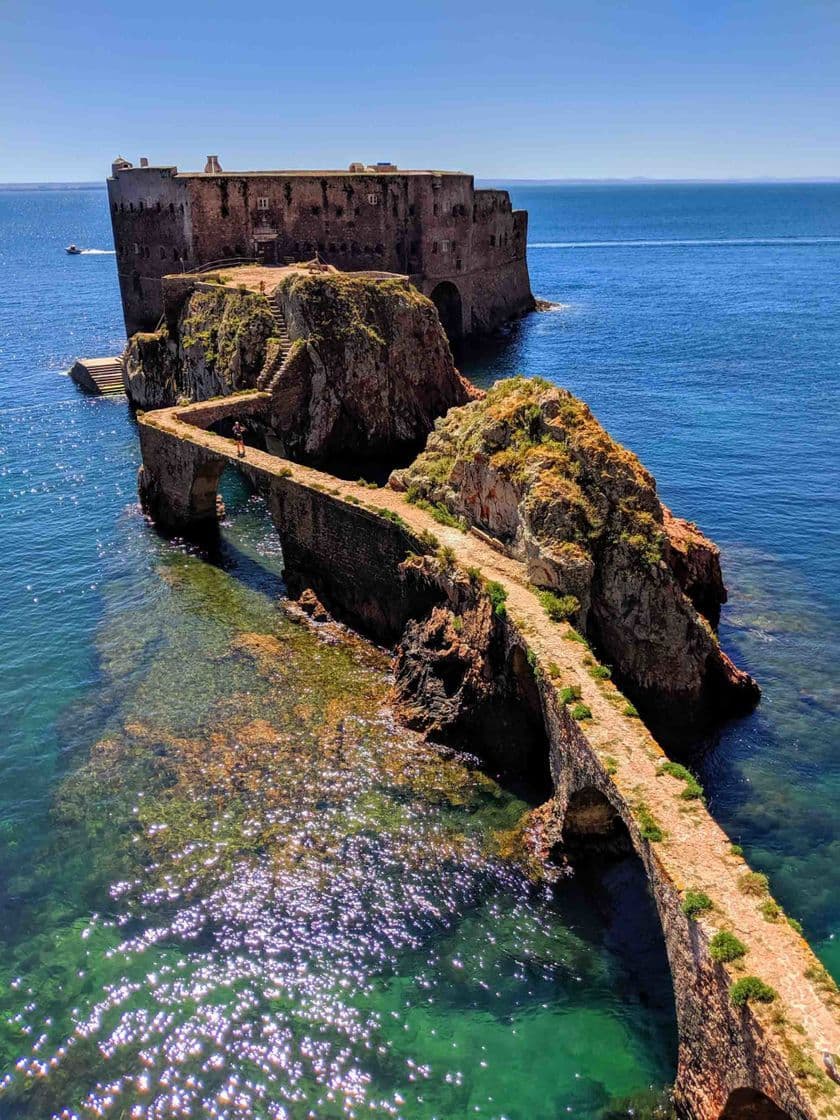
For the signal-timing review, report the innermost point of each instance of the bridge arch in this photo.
(204, 498)
(750, 1104)
(592, 824)
(447, 299)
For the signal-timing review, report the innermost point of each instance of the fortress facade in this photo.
(465, 248)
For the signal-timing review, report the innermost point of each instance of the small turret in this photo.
(120, 164)
(212, 167)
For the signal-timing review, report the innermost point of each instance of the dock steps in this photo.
(99, 376)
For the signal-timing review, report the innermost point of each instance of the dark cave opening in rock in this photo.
(750, 1104)
(447, 299)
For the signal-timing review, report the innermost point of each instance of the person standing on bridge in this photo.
(239, 436)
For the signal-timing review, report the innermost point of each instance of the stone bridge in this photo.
(350, 542)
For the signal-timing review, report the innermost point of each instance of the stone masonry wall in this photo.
(430, 226)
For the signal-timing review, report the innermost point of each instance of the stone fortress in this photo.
(464, 248)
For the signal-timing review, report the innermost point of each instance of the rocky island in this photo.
(530, 466)
(533, 589)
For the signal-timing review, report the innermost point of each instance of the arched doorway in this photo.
(592, 825)
(607, 878)
(447, 300)
(750, 1104)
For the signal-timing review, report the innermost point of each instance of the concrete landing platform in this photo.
(98, 376)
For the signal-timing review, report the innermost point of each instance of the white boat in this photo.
(73, 250)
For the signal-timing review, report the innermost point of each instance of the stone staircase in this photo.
(99, 376)
(270, 374)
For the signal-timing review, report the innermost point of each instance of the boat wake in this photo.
(656, 243)
(97, 252)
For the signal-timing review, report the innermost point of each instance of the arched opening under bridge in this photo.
(608, 878)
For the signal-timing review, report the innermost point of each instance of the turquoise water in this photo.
(702, 325)
(230, 884)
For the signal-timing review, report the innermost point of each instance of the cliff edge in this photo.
(357, 365)
(531, 467)
(369, 371)
(216, 345)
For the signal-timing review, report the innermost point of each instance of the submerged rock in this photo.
(530, 466)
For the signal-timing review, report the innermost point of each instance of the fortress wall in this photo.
(152, 236)
(431, 227)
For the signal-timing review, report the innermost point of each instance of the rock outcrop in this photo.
(461, 675)
(369, 372)
(216, 346)
(531, 467)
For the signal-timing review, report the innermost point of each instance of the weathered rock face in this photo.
(369, 372)
(217, 347)
(462, 678)
(531, 466)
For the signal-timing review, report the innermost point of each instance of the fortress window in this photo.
(414, 248)
(262, 203)
(140, 204)
(174, 254)
(435, 209)
(373, 199)
(492, 240)
(339, 211)
(162, 253)
(458, 264)
(171, 207)
(445, 245)
(136, 249)
(411, 210)
(357, 211)
(434, 246)
(131, 207)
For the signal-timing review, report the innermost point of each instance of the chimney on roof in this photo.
(212, 167)
(144, 161)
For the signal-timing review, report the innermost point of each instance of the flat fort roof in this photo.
(314, 171)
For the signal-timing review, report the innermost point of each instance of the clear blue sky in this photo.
(539, 88)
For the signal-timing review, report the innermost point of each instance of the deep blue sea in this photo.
(229, 884)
